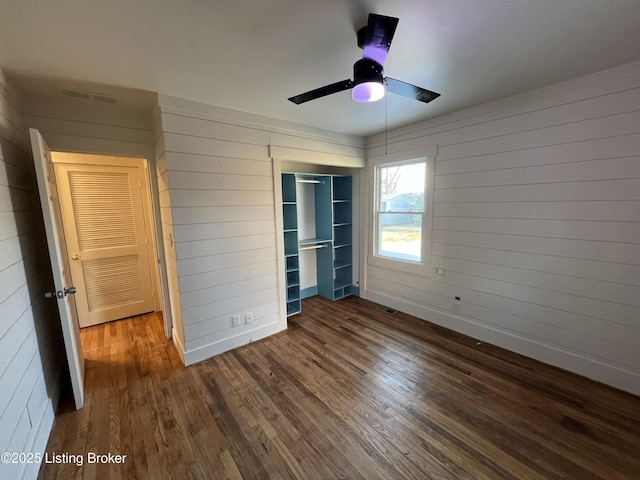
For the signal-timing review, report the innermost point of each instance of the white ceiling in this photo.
(250, 55)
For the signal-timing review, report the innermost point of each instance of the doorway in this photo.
(106, 210)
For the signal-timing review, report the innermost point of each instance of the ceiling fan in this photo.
(369, 83)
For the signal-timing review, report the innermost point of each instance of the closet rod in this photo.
(313, 247)
(302, 180)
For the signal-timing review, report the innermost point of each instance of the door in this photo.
(103, 213)
(62, 287)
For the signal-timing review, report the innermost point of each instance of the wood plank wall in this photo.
(218, 209)
(537, 224)
(86, 127)
(32, 359)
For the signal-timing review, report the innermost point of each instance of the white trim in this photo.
(178, 344)
(428, 155)
(429, 151)
(103, 159)
(42, 431)
(228, 343)
(316, 158)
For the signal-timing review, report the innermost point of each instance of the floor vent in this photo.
(387, 310)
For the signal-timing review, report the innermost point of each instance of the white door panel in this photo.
(59, 263)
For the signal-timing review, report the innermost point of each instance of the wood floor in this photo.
(346, 392)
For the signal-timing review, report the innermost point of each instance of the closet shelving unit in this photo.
(333, 240)
(342, 235)
(291, 249)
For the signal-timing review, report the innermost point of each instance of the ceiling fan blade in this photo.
(378, 36)
(410, 91)
(322, 91)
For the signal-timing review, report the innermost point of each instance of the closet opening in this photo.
(318, 236)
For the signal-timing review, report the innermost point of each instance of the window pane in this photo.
(402, 188)
(400, 236)
(400, 211)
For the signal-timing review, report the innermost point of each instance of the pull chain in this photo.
(386, 124)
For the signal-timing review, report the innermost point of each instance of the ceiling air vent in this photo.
(97, 97)
(76, 94)
(90, 96)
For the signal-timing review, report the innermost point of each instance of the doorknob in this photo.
(75, 256)
(60, 293)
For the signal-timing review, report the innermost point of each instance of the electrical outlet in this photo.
(235, 320)
(440, 271)
(249, 317)
(455, 306)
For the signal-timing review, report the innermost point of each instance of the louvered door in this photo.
(103, 216)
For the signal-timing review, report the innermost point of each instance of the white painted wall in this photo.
(79, 126)
(537, 224)
(32, 363)
(306, 209)
(218, 188)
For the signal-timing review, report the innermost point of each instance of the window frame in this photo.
(426, 155)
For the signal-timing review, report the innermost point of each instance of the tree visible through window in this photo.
(400, 210)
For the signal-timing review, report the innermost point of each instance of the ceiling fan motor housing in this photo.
(367, 70)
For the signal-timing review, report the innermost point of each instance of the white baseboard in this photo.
(587, 367)
(229, 343)
(38, 443)
(178, 344)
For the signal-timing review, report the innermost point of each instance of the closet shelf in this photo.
(293, 307)
(310, 241)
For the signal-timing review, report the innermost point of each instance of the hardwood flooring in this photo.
(347, 392)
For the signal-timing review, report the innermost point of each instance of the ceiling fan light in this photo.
(368, 92)
(368, 80)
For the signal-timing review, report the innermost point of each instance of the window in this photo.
(401, 208)
(401, 224)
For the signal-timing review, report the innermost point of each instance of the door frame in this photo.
(159, 271)
(62, 160)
